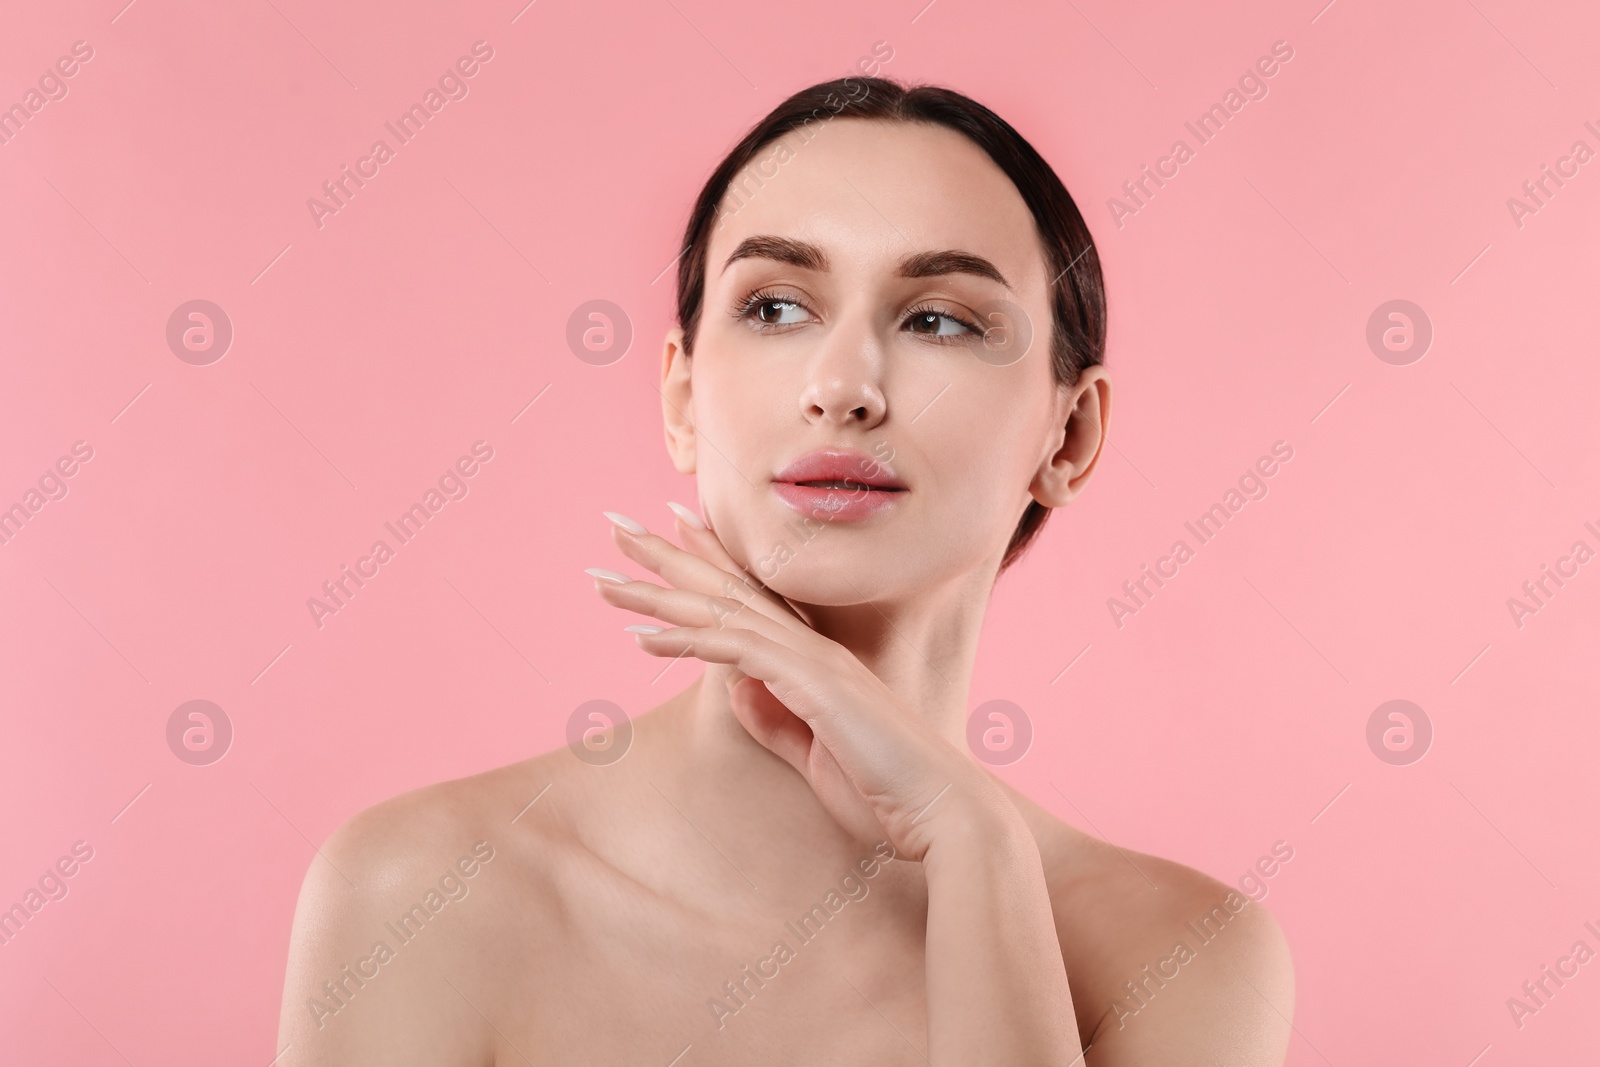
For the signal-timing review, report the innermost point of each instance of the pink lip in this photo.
(876, 486)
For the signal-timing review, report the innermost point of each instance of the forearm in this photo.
(997, 987)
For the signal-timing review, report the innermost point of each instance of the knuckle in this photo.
(838, 659)
(737, 589)
(721, 609)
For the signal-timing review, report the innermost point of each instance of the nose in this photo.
(843, 386)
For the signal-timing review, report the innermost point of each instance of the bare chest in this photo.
(627, 977)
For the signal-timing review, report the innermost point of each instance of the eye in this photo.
(935, 321)
(764, 310)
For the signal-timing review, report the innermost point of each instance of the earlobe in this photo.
(1066, 471)
(677, 402)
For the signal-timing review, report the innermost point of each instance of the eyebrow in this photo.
(808, 256)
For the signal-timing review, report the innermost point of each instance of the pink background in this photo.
(370, 353)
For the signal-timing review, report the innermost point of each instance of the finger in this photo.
(704, 542)
(708, 546)
(686, 570)
(774, 726)
(685, 608)
(784, 734)
(797, 682)
(749, 653)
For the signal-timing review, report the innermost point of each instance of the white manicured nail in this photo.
(610, 576)
(643, 628)
(686, 515)
(626, 523)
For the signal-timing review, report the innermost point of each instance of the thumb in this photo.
(766, 719)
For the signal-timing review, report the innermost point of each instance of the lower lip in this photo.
(836, 505)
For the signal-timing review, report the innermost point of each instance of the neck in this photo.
(923, 649)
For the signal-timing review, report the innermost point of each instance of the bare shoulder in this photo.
(1165, 962)
(407, 833)
(398, 911)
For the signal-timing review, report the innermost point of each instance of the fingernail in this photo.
(626, 523)
(644, 629)
(610, 576)
(686, 515)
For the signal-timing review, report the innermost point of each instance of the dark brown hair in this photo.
(1078, 336)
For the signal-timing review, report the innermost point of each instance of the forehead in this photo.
(871, 192)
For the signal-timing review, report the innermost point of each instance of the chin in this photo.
(818, 561)
(824, 577)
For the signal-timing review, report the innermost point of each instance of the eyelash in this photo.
(741, 310)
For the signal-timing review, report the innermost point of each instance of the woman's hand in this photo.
(875, 765)
(997, 989)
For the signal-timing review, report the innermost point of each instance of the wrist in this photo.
(984, 832)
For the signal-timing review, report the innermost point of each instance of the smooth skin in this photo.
(829, 717)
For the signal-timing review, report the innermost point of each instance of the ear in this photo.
(677, 402)
(1084, 415)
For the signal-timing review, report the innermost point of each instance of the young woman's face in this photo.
(846, 301)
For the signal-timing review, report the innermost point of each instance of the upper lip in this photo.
(840, 464)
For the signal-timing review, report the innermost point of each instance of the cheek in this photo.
(993, 487)
(970, 491)
(738, 408)
(737, 418)
(986, 441)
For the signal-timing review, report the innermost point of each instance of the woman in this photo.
(886, 369)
